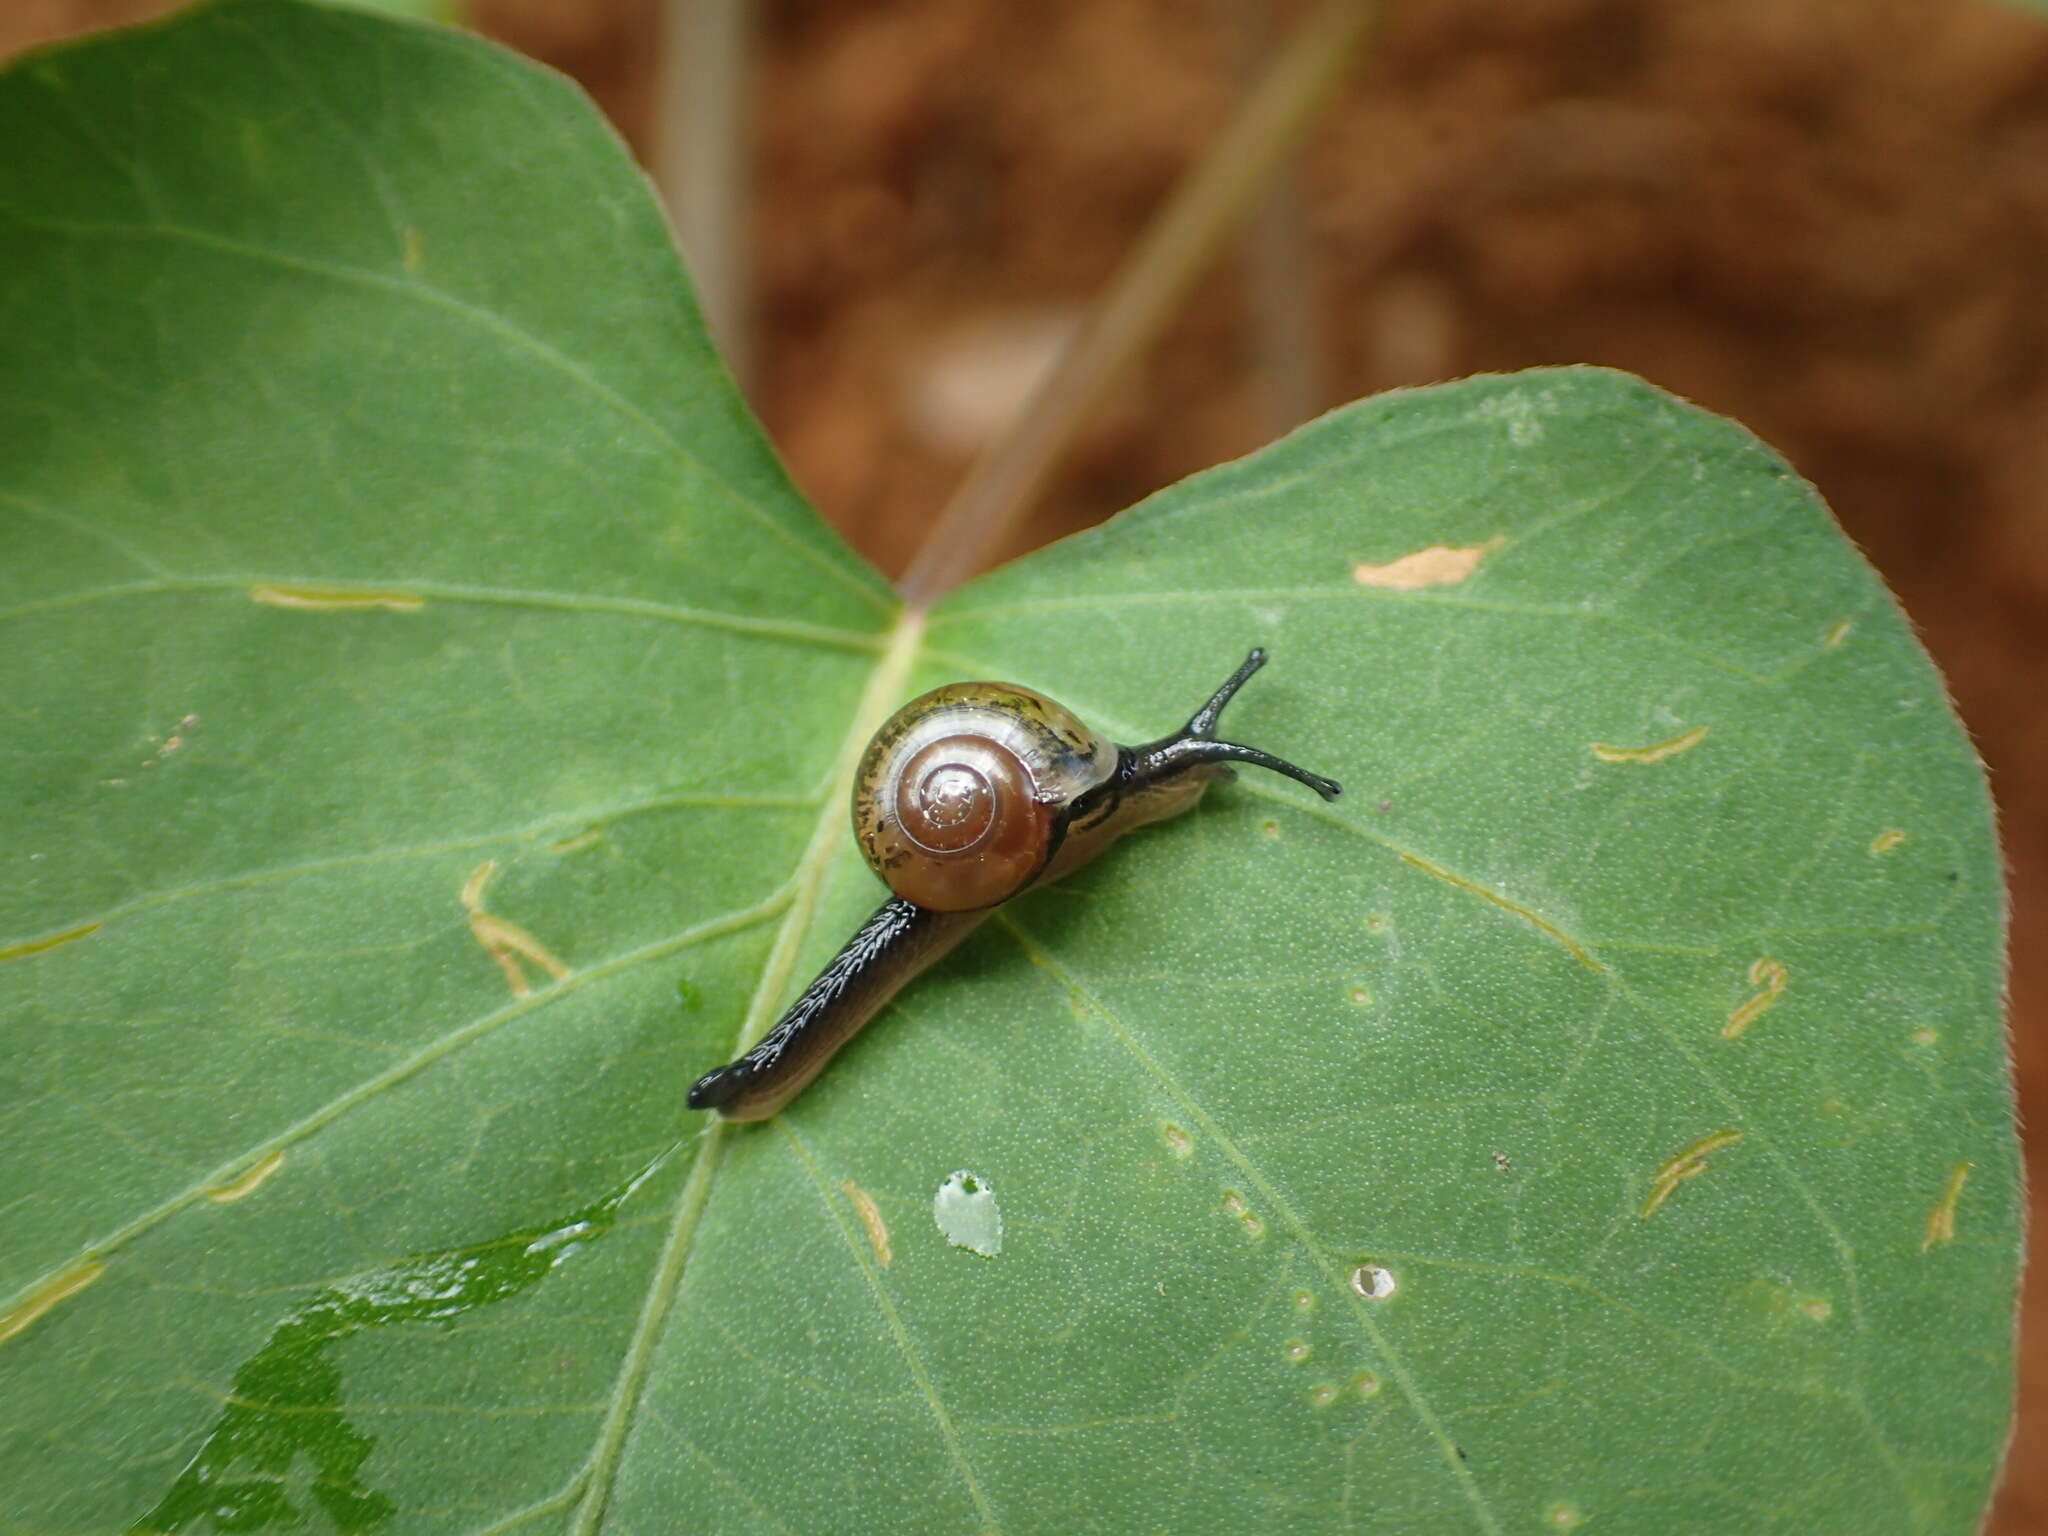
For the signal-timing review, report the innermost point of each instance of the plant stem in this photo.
(1170, 255)
(699, 155)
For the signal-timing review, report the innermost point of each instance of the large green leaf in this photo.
(429, 714)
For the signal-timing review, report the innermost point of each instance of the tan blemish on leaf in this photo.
(337, 599)
(1254, 1225)
(1572, 945)
(1764, 973)
(505, 942)
(870, 1217)
(1941, 1221)
(1178, 1141)
(578, 843)
(1816, 1309)
(415, 255)
(1687, 1164)
(29, 947)
(1837, 632)
(246, 1183)
(1887, 840)
(1323, 1396)
(65, 1283)
(1440, 565)
(1684, 742)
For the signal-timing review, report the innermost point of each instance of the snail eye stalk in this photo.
(1196, 743)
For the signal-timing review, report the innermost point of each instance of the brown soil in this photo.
(1828, 220)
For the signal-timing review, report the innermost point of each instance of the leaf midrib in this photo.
(885, 685)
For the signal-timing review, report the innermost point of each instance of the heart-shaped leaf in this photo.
(430, 718)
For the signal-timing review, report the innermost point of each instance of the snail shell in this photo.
(961, 799)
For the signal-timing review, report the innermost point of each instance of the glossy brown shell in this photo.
(960, 793)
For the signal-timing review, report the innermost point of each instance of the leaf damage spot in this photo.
(578, 843)
(1770, 977)
(1365, 1384)
(1373, 1282)
(1887, 840)
(1685, 741)
(170, 746)
(1837, 632)
(1178, 1141)
(1361, 996)
(1816, 1309)
(335, 599)
(1304, 1301)
(247, 1182)
(415, 253)
(1323, 1396)
(1541, 925)
(67, 1282)
(1688, 1163)
(1562, 1517)
(1296, 1352)
(965, 1209)
(503, 941)
(1233, 1204)
(870, 1217)
(43, 946)
(1941, 1221)
(1440, 565)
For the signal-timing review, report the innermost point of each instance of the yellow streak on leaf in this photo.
(29, 947)
(870, 1217)
(1541, 925)
(66, 1282)
(246, 1183)
(1887, 840)
(1941, 1221)
(505, 942)
(1838, 632)
(1656, 754)
(1688, 1163)
(1766, 973)
(1440, 565)
(336, 599)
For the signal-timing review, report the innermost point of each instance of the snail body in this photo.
(966, 797)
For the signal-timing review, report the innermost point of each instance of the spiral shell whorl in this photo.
(960, 794)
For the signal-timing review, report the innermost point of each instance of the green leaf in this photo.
(430, 715)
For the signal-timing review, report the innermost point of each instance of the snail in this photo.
(968, 796)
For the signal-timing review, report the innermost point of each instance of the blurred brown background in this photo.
(1827, 219)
